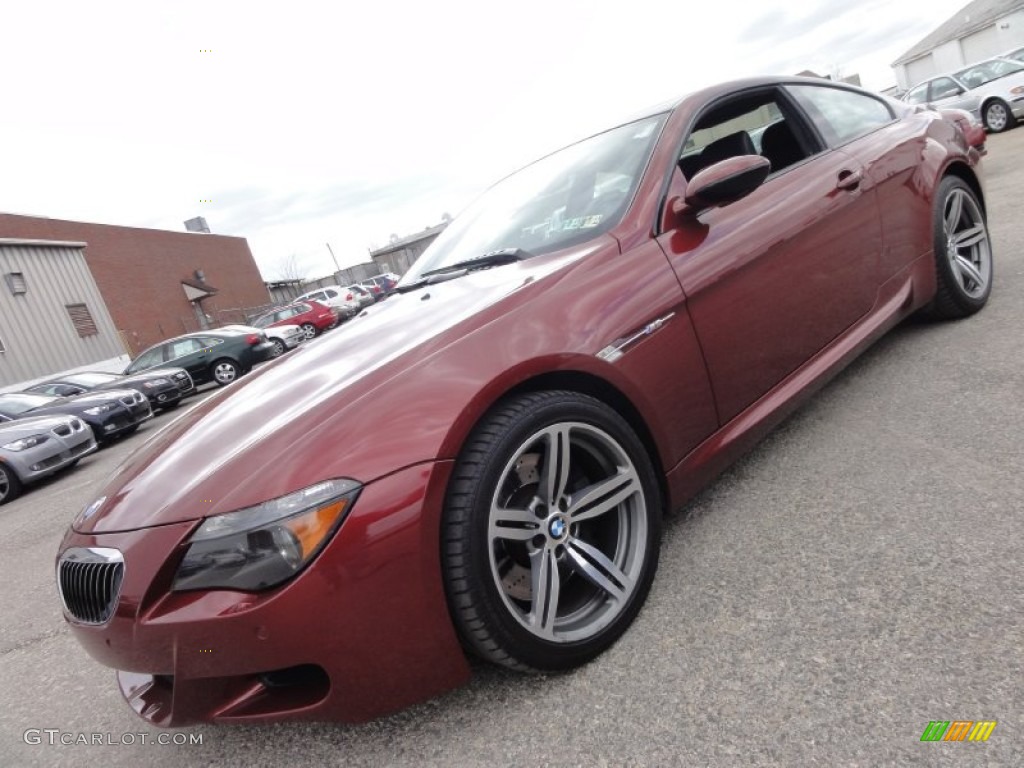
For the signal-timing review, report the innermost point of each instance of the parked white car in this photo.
(344, 300)
(992, 90)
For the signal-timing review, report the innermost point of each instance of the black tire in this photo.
(10, 484)
(998, 117)
(963, 252)
(278, 348)
(309, 329)
(224, 371)
(504, 465)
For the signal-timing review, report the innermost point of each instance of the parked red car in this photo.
(581, 350)
(313, 317)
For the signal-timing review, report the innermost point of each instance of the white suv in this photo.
(344, 300)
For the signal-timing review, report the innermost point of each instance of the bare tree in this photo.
(290, 269)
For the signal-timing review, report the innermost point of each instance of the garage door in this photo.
(920, 69)
(980, 45)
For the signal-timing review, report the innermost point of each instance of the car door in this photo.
(772, 278)
(945, 92)
(192, 355)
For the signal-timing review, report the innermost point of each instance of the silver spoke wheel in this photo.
(225, 372)
(567, 532)
(997, 117)
(967, 243)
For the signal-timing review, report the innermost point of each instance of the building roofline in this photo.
(117, 226)
(47, 243)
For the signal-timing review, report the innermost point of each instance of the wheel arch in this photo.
(572, 380)
(966, 174)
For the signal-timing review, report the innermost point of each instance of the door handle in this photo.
(849, 180)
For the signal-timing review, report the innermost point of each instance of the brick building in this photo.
(156, 283)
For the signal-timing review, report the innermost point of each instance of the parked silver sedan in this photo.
(992, 90)
(33, 448)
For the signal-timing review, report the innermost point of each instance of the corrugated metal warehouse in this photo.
(52, 316)
(147, 285)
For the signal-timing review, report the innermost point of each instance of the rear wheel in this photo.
(998, 116)
(10, 485)
(225, 371)
(963, 252)
(550, 533)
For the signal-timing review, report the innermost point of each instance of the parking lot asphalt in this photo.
(855, 577)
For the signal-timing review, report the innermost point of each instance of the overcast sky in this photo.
(298, 123)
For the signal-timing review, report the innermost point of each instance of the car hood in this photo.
(244, 444)
(78, 403)
(148, 375)
(33, 425)
(1000, 86)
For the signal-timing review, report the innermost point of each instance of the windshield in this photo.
(90, 379)
(566, 198)
(20, 403)
(987, 71)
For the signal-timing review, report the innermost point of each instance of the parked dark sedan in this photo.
(219, 355)
(110, 413)
(163, 387)
(578, 353)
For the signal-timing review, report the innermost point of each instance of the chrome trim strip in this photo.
(620, 346)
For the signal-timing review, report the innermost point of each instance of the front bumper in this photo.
(52, 456)
(123, 419)
(164, 397)
(362, 632)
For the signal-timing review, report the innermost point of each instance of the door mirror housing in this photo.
(723, 183)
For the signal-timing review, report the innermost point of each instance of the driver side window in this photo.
(754, 124)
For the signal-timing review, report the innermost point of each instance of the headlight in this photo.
(26, 442)
(96, 410)
(155, 383)
(262, 546)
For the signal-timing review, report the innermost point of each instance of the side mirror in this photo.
(723, 183)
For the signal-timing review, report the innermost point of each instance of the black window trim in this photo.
(804, 126)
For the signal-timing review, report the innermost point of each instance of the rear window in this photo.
(842, 115)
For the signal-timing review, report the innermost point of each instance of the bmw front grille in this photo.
(89, 580)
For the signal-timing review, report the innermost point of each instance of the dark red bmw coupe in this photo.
(481, 464)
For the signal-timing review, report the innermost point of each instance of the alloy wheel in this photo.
(967, 244)
(567, 532)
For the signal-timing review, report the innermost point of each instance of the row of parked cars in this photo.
(52, 424)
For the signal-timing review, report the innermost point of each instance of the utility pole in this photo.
(336, 267)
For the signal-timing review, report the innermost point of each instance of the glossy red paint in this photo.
(748, 308)
(374, 591)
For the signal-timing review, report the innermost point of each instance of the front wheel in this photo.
(963, 252)
(10, 485)
(550, 532)
(998, 116)
(309, 330)
(225, 371)
(277, 349)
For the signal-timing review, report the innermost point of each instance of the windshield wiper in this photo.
(460, 268)
(490, 259)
